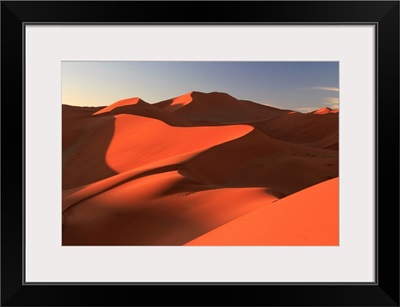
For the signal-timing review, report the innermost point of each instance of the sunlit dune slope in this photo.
(176, 103)
(135, 101)
(139, 140)
(308, 217)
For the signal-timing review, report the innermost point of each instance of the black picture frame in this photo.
(383, 14)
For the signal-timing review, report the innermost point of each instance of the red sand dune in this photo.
(173, 104)
(217, 108)
(159, 209)
(122, 103)
(185, 169)
(308, 217)
(139, 140)
(136, 106)
(325, 110)
(300, 128)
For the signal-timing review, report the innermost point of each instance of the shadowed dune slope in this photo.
(330, 142)
(85, 140)
(256, 160)
(74, 121)
(164, 208)
(300, 128)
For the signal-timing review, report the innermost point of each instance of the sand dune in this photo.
(136, 106)
(190, 168)
(159, 209)
(136, 101)
(140, 140)
(176, 103)
(325, 110)
(330, 142)
(300, 128)
(266, 162)
(125, 159)
(309, 217)
(217, 108)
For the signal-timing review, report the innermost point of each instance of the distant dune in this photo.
(217, 108)
(199, 169)
(325, 110)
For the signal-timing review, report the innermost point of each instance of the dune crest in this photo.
(122, 103)
(325, 110)
(176, 103)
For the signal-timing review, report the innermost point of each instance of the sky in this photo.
(300, 86)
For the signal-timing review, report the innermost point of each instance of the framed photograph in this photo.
(239, 147)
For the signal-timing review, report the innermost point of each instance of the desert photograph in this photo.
(200, 153)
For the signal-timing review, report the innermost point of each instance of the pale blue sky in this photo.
(301, 86)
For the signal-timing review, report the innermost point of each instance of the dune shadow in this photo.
(85, 142)
(159, 225)
(165, 222)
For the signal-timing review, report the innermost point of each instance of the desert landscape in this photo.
(199, 169)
